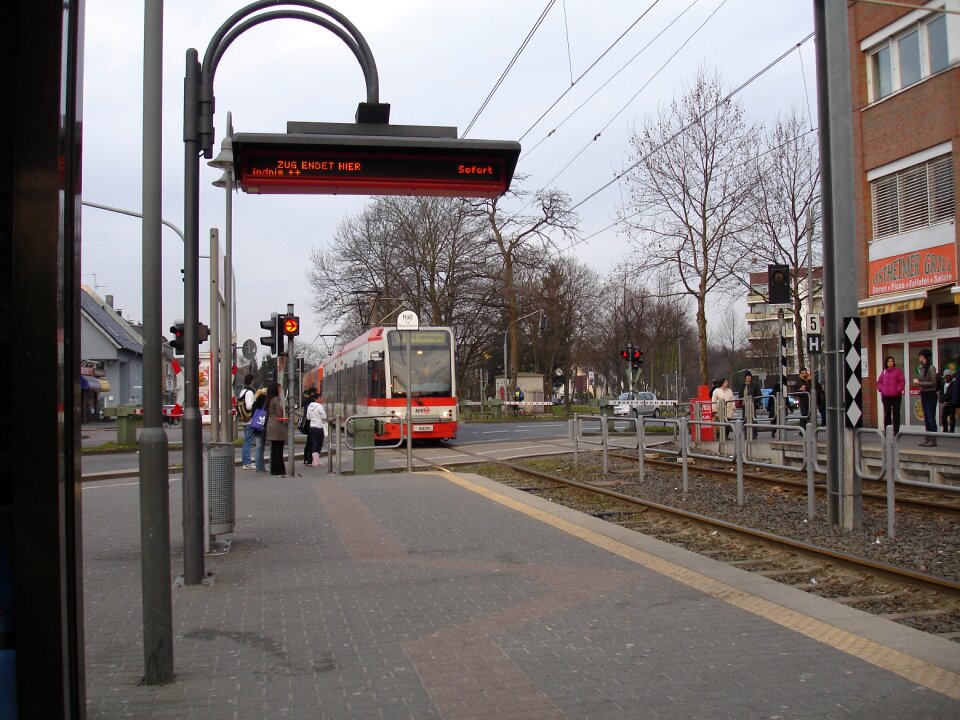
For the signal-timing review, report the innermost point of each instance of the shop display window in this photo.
(891, 324)
(948, 316)
(921, 320)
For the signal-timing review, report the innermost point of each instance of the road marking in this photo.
(914, 669)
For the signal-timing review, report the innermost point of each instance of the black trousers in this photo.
(891, 411)
(276, 458)
(316, 439)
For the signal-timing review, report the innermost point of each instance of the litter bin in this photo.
(126, 425)
(220, 483)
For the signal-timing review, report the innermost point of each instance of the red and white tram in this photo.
(368, 377)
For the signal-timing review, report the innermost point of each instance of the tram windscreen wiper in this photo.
(397, 381)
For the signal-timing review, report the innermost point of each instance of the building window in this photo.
(908, 56)
(891, 324)
(917, 197)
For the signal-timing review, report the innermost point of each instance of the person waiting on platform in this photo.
(317, 416)
(276, 429)
(890, 385)
(750, 394)
(926, 381)
(723, 404)
(950, 400)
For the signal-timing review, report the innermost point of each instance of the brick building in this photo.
(905, 72)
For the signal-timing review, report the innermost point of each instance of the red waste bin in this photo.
(700, 433)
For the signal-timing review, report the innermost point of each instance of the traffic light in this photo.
(624, 354)
(203, 333)
(543, 324)
(177, 343)
(291, 325)
(637, 358)
(778, 284)
(274, 340)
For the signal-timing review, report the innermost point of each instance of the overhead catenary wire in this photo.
(624, 219)
(693, 122)
(608, 81)
(634, 96)
(593, 65)
(509, 67)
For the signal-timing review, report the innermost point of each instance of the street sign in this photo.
(249, 349)
(334, 159)
(408, 320)
(852, 387)
(813, 324)
(813, 343)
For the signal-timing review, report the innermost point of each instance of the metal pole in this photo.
(291, 385)
(409, 391)
(214, 379)
(227, 356)
(191, 426)
(153, 457)
(839, 245)
(812, 389)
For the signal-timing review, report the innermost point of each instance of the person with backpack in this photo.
(245, 400)
(950, 400)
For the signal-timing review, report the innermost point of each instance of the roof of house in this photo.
(114, 326)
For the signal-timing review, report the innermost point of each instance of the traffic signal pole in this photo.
(192, 485)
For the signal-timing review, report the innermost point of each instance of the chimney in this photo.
(109, 300)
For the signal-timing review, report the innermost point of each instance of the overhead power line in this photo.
(509, 67)
(608, 81)
(693, 122)
(592, 65)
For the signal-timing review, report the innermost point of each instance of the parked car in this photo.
(624, 407)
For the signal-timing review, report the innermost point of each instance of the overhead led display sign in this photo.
(373, 165)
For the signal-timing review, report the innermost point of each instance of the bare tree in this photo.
(688, 187)
(514, 241)
(732, 341)
(785, 197)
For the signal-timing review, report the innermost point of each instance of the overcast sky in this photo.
(437, 61)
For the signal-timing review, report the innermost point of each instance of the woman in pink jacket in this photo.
(890, 385)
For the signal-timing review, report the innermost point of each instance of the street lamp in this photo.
(224, 161)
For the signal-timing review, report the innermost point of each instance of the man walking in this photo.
(244, 414)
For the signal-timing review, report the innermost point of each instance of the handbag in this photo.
(259, 420)
(304, 425)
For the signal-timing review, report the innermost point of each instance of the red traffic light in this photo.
(637, 354)
(624, 354)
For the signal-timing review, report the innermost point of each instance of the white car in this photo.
(624, 407)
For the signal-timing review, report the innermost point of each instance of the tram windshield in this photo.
(430, 359)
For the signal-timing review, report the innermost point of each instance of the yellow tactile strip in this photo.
(911, 668)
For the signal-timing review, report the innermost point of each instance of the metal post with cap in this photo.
(409, 321)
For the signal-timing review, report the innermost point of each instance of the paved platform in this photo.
(437, 595)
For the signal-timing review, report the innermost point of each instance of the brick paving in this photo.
(408, 596)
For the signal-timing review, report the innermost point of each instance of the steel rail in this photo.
(855, 561)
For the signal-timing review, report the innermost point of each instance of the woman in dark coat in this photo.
(276, 429)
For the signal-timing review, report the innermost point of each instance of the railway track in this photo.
(907, 496)
(909, 595)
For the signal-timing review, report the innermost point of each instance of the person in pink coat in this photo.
(890, 385)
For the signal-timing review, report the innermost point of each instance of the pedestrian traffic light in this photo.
(291, 325)
(274, 340)
(778, 284)
(177, 342)
(637, 358)
(625, 354)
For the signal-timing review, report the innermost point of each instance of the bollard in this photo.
(126, 426)
(363, 457)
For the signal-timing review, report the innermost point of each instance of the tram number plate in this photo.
(423, 428)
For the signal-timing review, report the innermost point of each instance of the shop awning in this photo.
(88, 382)
(891, 303)
(104, 385)
(956, 294)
